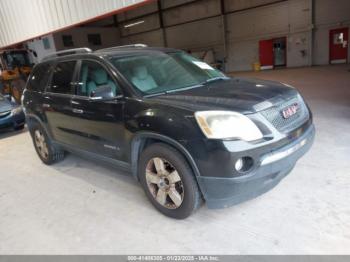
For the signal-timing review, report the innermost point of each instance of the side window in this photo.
(93, 76)
(62, 78)
(39, 77)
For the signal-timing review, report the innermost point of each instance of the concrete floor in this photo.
(79, 207)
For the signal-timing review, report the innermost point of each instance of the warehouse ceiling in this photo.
(20, 21)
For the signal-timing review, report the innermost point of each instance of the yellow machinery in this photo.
(15, 68)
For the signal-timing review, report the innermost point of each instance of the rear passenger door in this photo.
(57, 102)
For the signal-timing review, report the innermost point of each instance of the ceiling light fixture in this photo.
(133, 24)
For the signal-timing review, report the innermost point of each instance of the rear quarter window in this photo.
(39, 78)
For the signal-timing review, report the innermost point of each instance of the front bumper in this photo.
(222, 192)
(12, 121)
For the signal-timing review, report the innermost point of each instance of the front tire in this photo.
(47, 152)
(168, 181)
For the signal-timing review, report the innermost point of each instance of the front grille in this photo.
(4, 114)
(275, 117)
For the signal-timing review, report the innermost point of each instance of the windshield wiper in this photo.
(155, 94)
(215, 79)
(173, 91)
(187, 87)
(183, 89)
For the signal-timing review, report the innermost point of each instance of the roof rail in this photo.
(121, 47)
(83, 50)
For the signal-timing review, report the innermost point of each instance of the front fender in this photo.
(171, 122)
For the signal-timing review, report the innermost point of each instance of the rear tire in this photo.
(47, 152)
(168, 181)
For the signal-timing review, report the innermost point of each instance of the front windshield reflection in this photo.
(157, 72)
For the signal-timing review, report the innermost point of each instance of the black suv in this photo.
(183, 129)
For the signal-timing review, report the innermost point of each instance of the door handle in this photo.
(77, 111)
(46, 105)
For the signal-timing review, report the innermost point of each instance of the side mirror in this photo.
(101, 93)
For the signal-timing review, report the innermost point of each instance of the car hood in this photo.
(5, 105)
(236, 94)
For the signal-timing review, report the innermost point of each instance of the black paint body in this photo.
(116, 130)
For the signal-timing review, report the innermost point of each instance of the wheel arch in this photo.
(32, 118)
(143, 139)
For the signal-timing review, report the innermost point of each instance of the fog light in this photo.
(239, 164)
(244, 164)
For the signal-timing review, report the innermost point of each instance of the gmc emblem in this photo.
(290, 110)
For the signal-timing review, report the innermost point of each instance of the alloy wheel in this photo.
(164, 183)
(40, 143)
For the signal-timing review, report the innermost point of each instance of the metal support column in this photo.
(161, 23)
(224, 31)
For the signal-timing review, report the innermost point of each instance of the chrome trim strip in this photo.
(279, 155)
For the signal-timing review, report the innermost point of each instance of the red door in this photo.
(266, 54)
(338, 45)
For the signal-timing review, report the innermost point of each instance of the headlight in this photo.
(17, 110)
(227, 124)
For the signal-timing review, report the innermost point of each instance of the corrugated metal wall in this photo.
(23, 19)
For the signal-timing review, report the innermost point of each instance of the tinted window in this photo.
(39, 77)
(93, 76)
(62, 78)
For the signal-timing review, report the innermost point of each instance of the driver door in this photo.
(100, 122)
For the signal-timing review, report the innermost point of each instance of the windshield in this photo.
(157, 72)
(16, 59)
